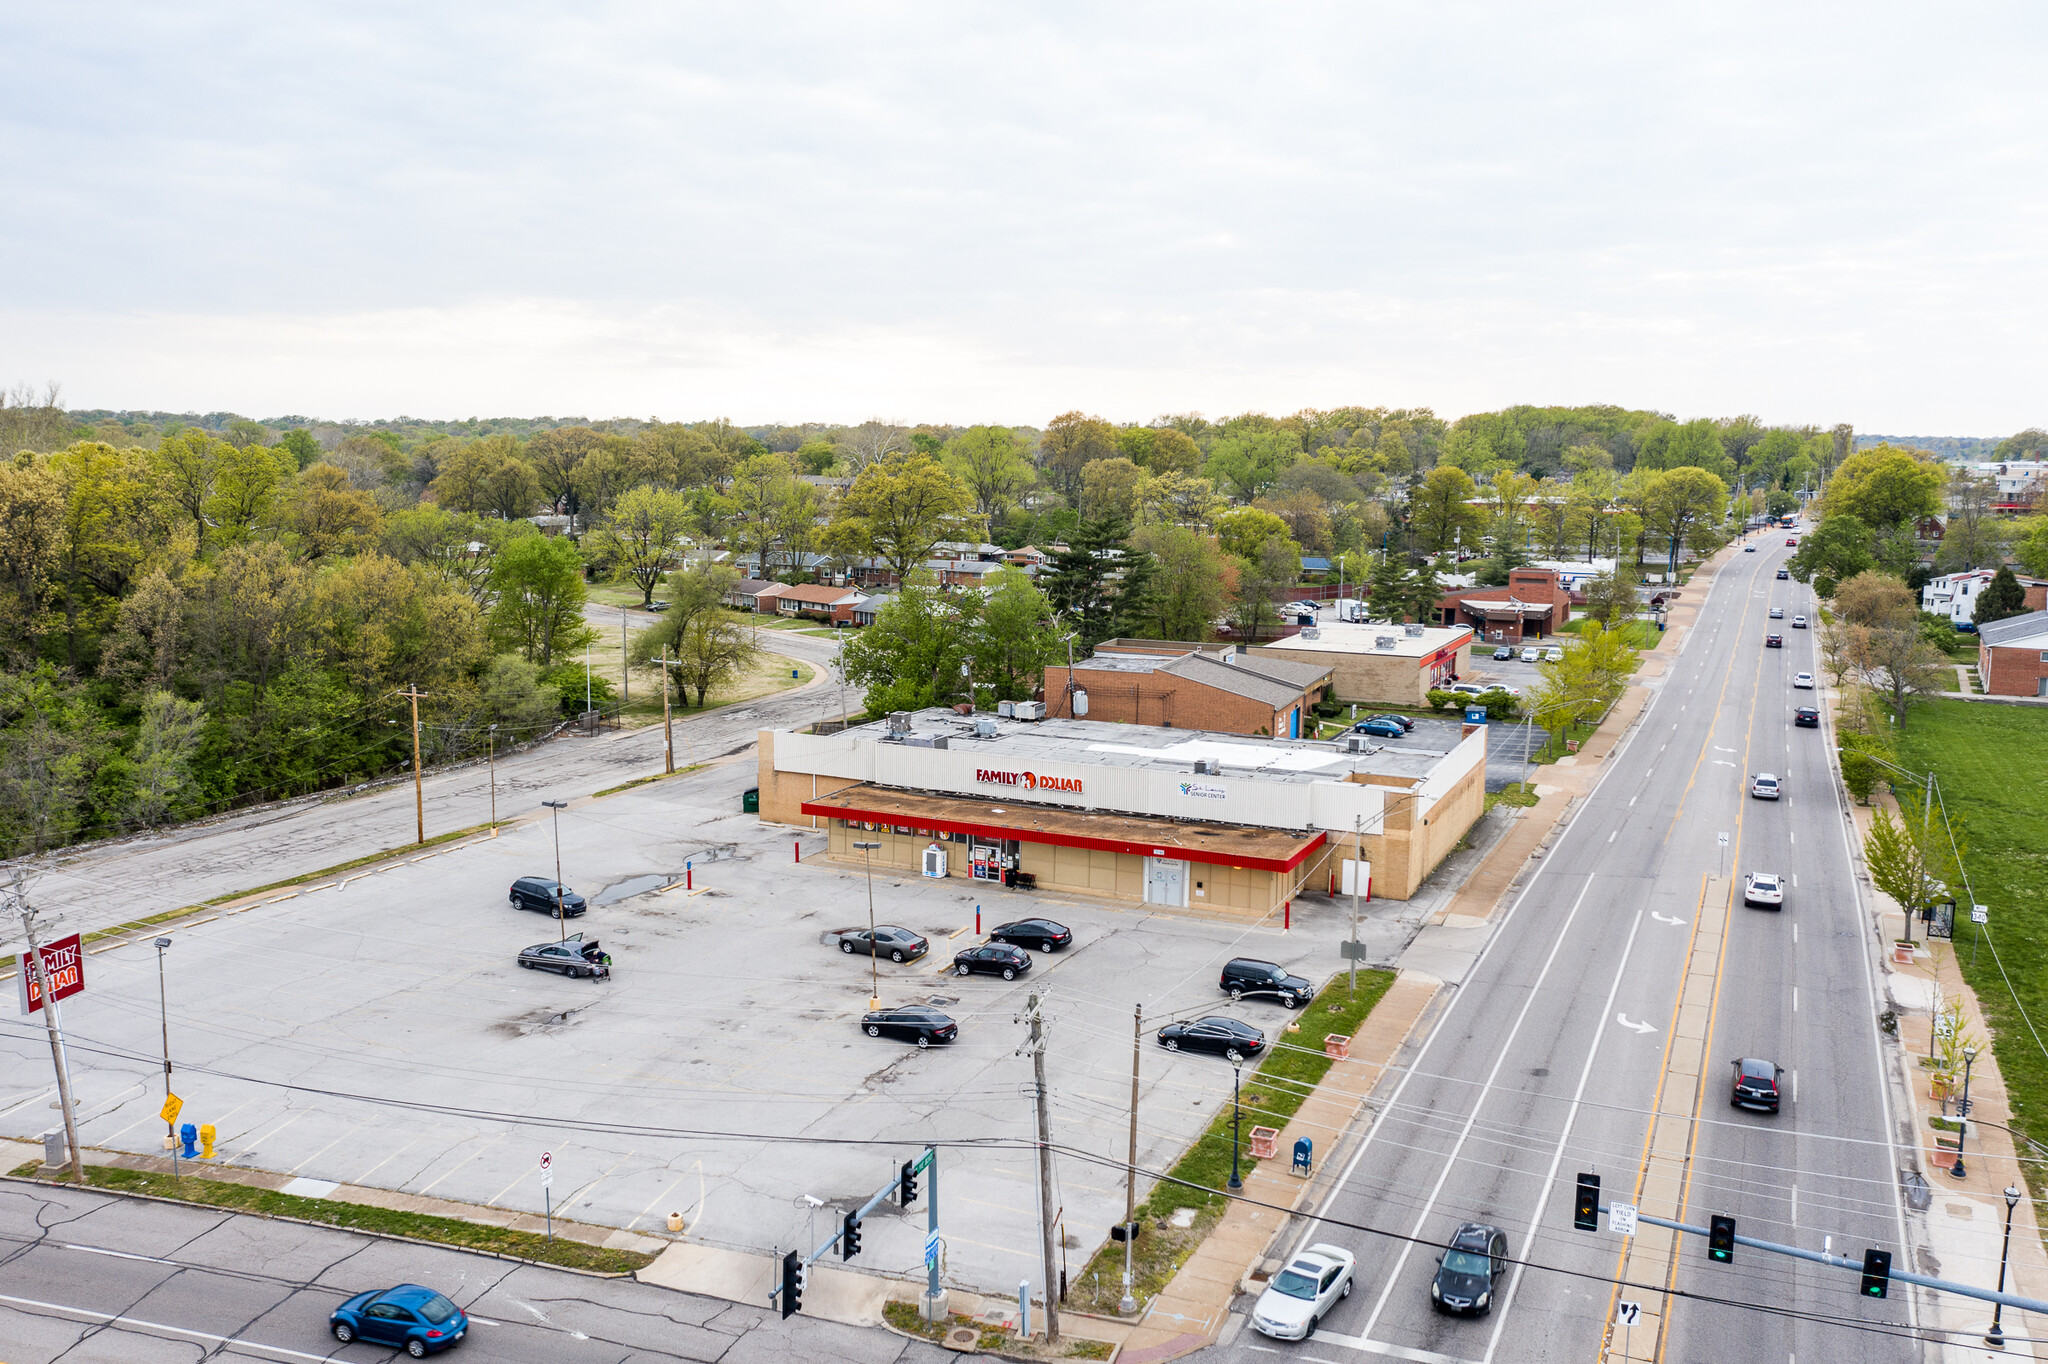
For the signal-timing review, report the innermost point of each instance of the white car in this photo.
(1764, 786)
(1299, 608)
(1553, 655)
(1763, 888)
(1777, 613)
(1799, 622)
(1803, 680)
(1531, 654)
(1303, 1293)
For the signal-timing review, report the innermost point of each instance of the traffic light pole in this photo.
(858, 1215)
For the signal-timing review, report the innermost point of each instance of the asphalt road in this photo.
(85, 1276)
(1549, 1058)
(115, 882)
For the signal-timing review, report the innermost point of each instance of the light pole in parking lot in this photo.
(1236, 1121)
(164, 1014)
(867, 851)
(561, 923)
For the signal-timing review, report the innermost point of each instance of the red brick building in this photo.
(1243, 695)
(1534, 603)
(2012, 655)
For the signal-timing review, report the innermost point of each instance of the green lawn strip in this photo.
(1520, 793)
(448, 1231)
(1640, 634)
(1988, 759)
(1273, 1092)
(645, 781)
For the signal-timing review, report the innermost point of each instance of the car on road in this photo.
(1774, 641)
(1302, 1294)
(993, 958)
(1553, 655)
(1803, 681)
(1531, 654)
(1468, 1272)
(1764, 786)
(1043, 934)
(919, 1023)
(415, 1319)
(1784, 574)
(887, 940)
(572, 957)
(1807, 717)
(1220, 1036)
(1749, 549)
(1386, 729)
(1799, 622)
(1756, 1084)
(1505, 653)
(1791, 543)
(1777, 613)
(1763, 888)
(540, 893)
(1244, 976)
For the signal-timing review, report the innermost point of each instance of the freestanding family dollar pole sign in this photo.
(63, 967)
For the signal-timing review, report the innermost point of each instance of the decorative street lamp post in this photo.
(1996, 1337)
(1963, 1112)
(1236, 1121)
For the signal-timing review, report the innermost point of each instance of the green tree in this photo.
(166, 742)
(300, 445)
(990, 462)
(713, 650)
(1837, 549)
(1441, 513)
(1173, 452)
(2002, 596)
(185, 464)
(1248, 465)
(1109, 488)
(1071, 442)
(898, 509)
(327, 517)
(1089, 582)
(537, 584)
(1611, 599)
(247, 482)
(1910, 858)
(1261, 581)
(1016, 638)
(641, 536)
(695, 591)
(1244, 531)
(1885, 486)
(513, 699)
(1192, 587)
(2030, 546)
(912, 656)
(1684, 504)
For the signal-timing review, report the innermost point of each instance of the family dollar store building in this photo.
(1160, 816)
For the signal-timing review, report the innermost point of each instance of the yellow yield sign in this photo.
(172, 1105)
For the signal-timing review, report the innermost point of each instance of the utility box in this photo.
(935, 862)
(750, 802)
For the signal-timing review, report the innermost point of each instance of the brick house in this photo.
(2012, 655)
(1228, 694)
(1535, 602)
(745, 594)
(834, 604)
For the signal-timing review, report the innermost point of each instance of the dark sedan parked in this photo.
(1503, 654)
(574, 957)
(1249, 976)
(417, 1320)
(1226, 1037)
(541, 894)
(1806, 717)
(1043, 934)
(897, 944)
(1403, 721)
(996, 958)
(912, 1023)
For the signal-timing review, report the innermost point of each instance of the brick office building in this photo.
(1536, 602)
(1226, 691)
(2012, 655)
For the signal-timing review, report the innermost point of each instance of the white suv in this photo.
(1764, 786)
(1763, 888)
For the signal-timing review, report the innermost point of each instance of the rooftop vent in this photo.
(899, 722)
(984, 727)
(1384, 641)
(1206, 767)
(1413, 631)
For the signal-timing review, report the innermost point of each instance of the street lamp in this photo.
(1996, 1338)
(874, 971)
(164, 1012)
(1236, 1121)
(1963, 1112)
(561, 923)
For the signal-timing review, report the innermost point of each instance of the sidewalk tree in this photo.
(1885, 486)
(1877, 600)
(640, 536)
(1611, 599)
(1681, 505)
(1898, 665)
(1909, 856)
(1837, 549)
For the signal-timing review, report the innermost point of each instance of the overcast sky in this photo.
(967, 212)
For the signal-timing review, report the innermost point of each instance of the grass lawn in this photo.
(451, 1231)
(1641, 634)
(1990, 762)
(1293, 1067)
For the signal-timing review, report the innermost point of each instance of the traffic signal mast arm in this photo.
(852, 1219)
(1855, 1266)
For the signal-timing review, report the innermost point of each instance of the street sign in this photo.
(1627, 1313)
(1354, 951)
(924, 1162)
(63, 967)
(1980, 914)
(1621, 1218)
(172, 1104)
(547, 1169)
(547, 1179)
(931, 1247)
(1722, 839)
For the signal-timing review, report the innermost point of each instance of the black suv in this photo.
(1469, 1270)
(1756, 1084)
(538, 893)
(1246, 976)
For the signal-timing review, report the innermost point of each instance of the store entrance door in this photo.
(1166, 882)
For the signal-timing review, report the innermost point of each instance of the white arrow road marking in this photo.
(1723, 762)
(1719, 749)
(1634, 1027)
(1663, 920)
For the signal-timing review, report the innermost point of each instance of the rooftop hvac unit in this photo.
(941, 741)
(1080, 703)
(1006, 709)
(1357, 743)
(984, 728)
(1384, 641)
(1206, 767)
(1028, 710)
(899, 722)
(1311, 633)
(1412, 631)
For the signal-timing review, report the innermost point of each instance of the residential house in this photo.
(1955, 594)
(834, 604)
(2012, 655)
(743, 595)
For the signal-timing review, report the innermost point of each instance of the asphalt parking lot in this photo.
(379, 1033)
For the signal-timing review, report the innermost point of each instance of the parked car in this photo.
(572, 957)
(1553, 655)
(1804, 681)
(897, 944)
(659, 605)
(1799, 622)
(543, 893)
(1531, 653)
(1505, 653)
(993, 958)
(1763, 888)
(417, 1320)
(1403, 721)
(1784, 574)
(1386, 729)
(1299, 608)
(1468, 1272)
(1774, 641)
(1764, 786)
(1225, 1037)
(1249, 976)
(1806, 717)
(917, 1023)
(1043, 934)
(1777, 613)
(1468, 689)
(1302, 1294)
(1756, 1084)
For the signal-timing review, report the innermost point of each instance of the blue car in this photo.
(1386, 729)
(418, 1320)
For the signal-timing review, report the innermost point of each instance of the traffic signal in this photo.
(792, 1283)
(1586, 1209)
(1877, 1273)
(849, 1237)
(906, 1183)
(1721, 1240)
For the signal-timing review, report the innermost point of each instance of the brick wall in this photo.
(2011, 670)
(1162, 699)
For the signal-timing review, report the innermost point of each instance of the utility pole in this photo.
(35, 963)
(1036, 1018)
(668, 728)
(1357, 875)
(494, 781)
(1129, 1304)
(419, 799)
(625, 674)
(561, 921)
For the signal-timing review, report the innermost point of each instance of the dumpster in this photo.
(750, 803)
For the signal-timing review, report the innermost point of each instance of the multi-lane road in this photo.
(1564, 1049)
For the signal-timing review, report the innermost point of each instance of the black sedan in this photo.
(1806, 717)
(912, 1023)
(1783, 574)
(1043, 934)
(897, 944)
(1403, 721)
(1226, 1037)
(996, 958)
(574, 957)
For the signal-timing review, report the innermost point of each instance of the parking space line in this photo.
(256, 1146)
(393, 1155)
(321, 1152)
(582, 1193)
(460, 1163)
(697, 1168)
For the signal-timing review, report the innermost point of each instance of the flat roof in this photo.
(1346, 637)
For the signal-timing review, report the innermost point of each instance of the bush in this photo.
(565, 680)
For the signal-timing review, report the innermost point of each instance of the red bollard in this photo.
(689, 877)
(797, 847)
(1289, 922)
(977, 919)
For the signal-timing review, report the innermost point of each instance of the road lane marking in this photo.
(1610, 837)
(120, 1254)
(1637, 1028)
(115, 1319)
(1380, 1347)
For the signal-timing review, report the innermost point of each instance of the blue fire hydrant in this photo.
(190, 1136)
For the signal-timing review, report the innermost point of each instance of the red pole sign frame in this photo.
(63, 966)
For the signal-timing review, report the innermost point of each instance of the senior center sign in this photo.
(63, 967)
